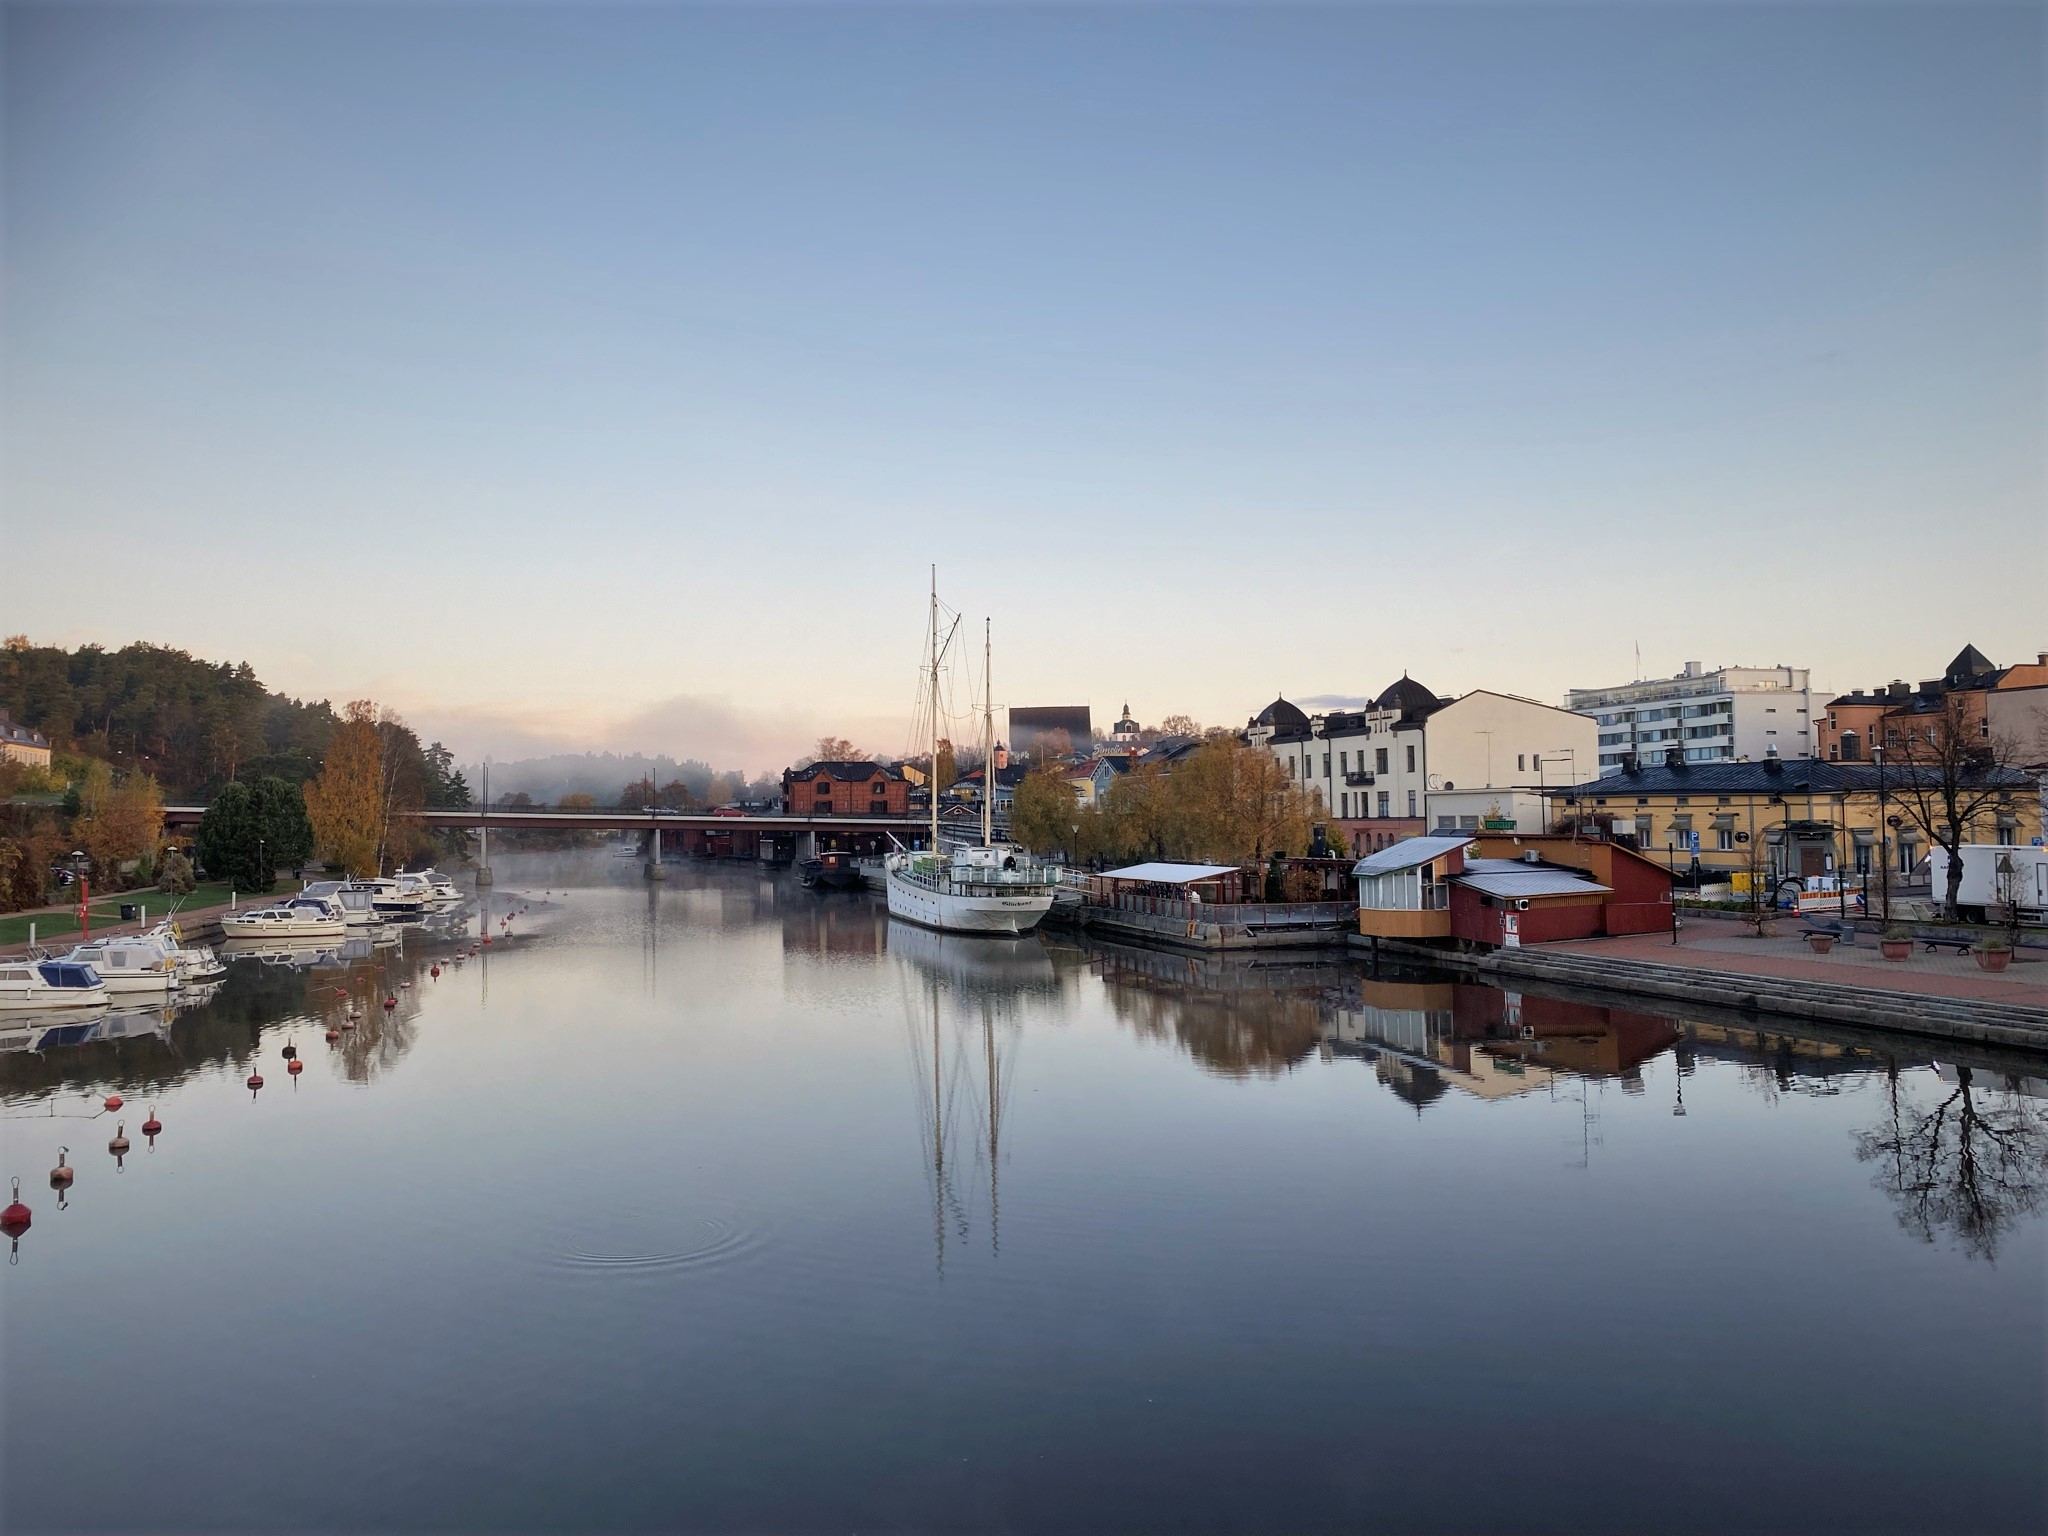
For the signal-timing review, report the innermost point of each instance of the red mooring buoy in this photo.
(434, 971)
(119, 1144)
(255, 1081)
(390, 1002)
(295, 1067)
(15, 1219)
(152, 1127)
(333, 1034)
(62, 1175)
(113, 1101)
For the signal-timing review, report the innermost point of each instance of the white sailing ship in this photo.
(996, 888)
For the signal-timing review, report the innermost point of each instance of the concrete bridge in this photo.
(771, 837)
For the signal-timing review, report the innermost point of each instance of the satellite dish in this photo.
(1435, 781)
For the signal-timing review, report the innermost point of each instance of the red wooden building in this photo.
(845, 789)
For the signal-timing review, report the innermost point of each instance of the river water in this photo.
(725, 1205)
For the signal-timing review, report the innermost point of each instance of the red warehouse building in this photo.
(845, 789)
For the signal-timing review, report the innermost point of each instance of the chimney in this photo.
(1772, 762)
(1692, 669)
(1628, 763)
(1002, 756)
(1897, 689)
(1674, 758)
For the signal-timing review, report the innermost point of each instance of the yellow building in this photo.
(1810, 816)
(19, 744)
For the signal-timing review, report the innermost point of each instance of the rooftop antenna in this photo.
(1639, 661)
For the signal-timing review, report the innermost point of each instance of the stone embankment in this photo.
(1983, 1020)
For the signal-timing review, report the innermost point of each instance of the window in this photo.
(1379, 758)
(1446, 823)
(1290, 769)
(1468, 823)
(1724, 839)
(1343, 762)
(1521, 762)
(1411, 796)
(1386, 801)
(1411, 759)
(1326, 765)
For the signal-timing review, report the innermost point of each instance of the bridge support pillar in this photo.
(806, 846)
(654, 870)
(483, 874)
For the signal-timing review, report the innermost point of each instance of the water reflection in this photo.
(1968, 1163)
(963, 1077)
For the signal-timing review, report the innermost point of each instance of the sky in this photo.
(611, 377)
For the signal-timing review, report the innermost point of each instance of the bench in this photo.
(1846, 932)
(1937, 941)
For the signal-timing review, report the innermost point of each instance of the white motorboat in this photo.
(442, 896)
(390, 898)
(996, 888)
(358, 905)
(45, 985)
(145, 964)
(302, 917)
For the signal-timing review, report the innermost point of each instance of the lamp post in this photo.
(1884, 858)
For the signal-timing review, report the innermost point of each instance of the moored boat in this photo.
(48, 985)
(132, 963)
(302, 917)
(996, 888)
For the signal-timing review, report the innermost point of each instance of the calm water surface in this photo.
(728, 1206)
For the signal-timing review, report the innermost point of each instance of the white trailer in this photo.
(1986, 882)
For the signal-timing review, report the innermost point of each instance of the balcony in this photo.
(1358, 776)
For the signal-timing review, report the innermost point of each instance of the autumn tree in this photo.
(348, 802)
(1043, 814)
(833, 749)
(118, 821)
(1950, 776)
(944, 771)
(1240, 805)
(1055, 744)
(1179, 725)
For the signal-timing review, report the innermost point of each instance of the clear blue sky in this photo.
(609, 375)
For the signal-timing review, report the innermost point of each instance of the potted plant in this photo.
(1993, 953)
(1820, 943)
(1895, 943)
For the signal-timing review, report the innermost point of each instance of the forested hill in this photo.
(193, 724)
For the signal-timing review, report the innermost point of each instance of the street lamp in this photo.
(1884, 858)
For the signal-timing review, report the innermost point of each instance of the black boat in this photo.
(831, 872)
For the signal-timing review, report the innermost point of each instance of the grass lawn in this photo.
(106, 911)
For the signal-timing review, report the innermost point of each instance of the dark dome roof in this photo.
(1282, 716)
(1406, 695)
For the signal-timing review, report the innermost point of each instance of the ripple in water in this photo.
(721, 1242)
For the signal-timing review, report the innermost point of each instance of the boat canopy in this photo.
(68, 973)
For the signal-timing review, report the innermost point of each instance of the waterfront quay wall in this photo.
(2011, 1025)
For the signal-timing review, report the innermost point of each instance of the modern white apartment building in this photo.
(1722, 716)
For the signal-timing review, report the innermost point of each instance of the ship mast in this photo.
(932, 780)
(988, 744)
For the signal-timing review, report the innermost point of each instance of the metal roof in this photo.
(1530, 882)
(1170, 874)
(1408, 853)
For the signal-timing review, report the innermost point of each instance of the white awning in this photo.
(1170, 874)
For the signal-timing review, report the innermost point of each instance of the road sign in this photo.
(1692, 842)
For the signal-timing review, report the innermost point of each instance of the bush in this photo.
(175, 875)
(1897, 935)
(1992, 944)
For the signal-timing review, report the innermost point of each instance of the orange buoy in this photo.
(390, 1003)
(113, 1101)
(255, 1081)
(333, 1034)
(295, 1067)
(62, 1175)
